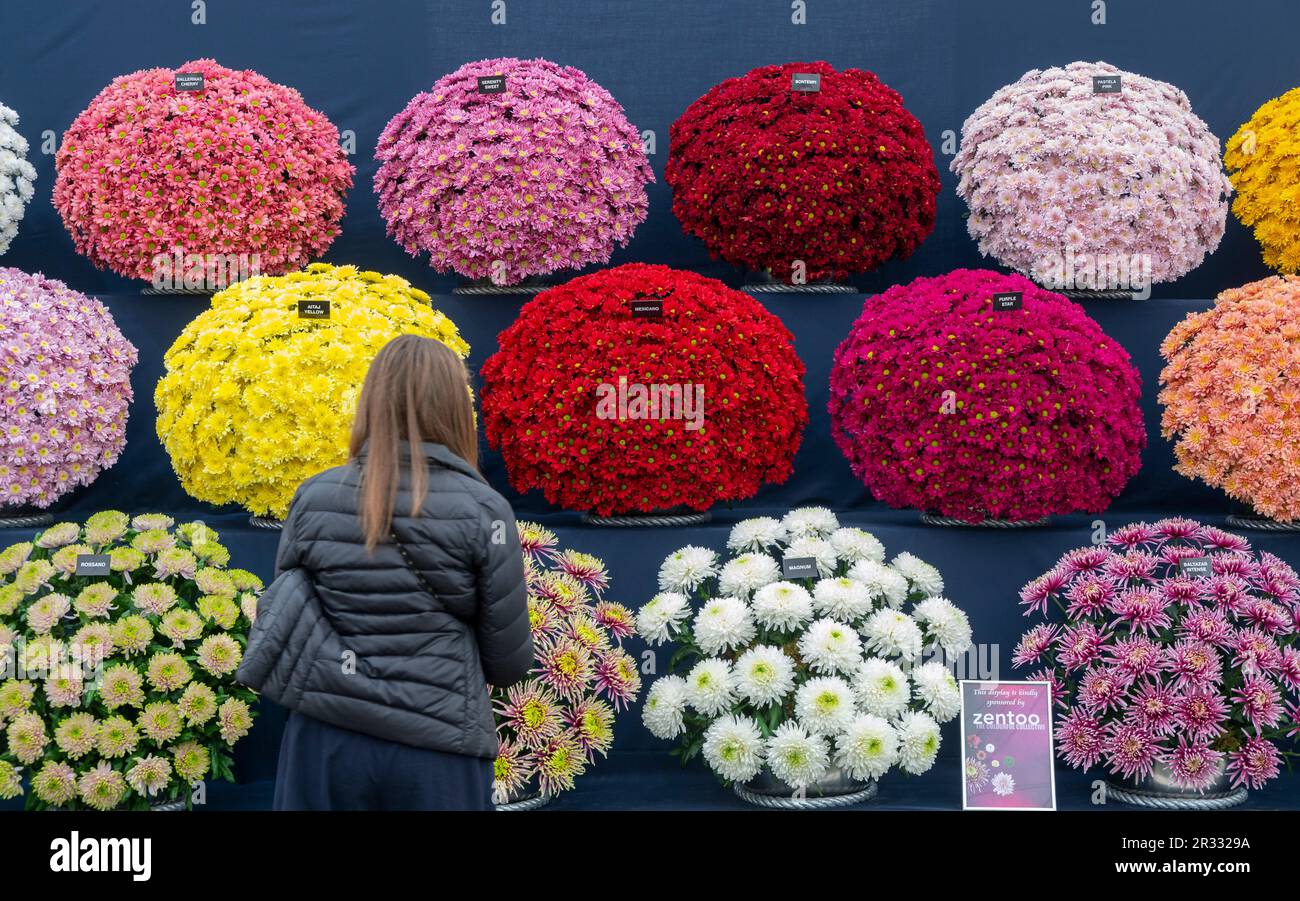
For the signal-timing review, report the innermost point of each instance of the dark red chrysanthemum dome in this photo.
(841, 178)
(560, 395)
(944, 404)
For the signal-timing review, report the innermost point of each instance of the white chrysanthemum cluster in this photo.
(803, 674)
(16, 176)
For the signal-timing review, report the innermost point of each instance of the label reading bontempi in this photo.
(647, 307)
(313, 309)
(810, 82)
(1008, 300)
(1106, 84)
(799, 567)
(93, 564)
(1197, 567)
(491, 84)
(189, 81)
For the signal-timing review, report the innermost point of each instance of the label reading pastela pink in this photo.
(1006, 739)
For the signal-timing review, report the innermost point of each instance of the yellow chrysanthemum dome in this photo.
(1263, 161)
(257, 396)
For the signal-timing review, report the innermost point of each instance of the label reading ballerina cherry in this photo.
(1106, 84)
(1006, 744)
(313, 309)
(1008, 300)
(807, 82)
(647, 308)
(799, 567)
(189, 81)
(491, 84)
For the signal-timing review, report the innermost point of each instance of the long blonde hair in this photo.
(417, 390)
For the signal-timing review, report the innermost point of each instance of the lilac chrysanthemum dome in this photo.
(510, 168)
(65, 389)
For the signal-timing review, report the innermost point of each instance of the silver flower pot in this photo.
(168, 806)
(528, 796)
(1159, 790)
(835, 789)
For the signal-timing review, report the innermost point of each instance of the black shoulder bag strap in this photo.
(415, 571)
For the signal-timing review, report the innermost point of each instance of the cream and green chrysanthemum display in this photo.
(554, 724)
(261, 389)
(847, 669)
(121, 688)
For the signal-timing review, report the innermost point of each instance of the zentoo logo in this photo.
(103, 855)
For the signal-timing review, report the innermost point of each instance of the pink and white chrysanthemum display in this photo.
(1061, 178)
(66, 389)
(544, 174)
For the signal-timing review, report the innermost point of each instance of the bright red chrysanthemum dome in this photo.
(560, 396)
(839, 179)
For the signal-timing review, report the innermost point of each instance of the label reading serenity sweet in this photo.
(1008, 300)
(491, 84)
(799, 567)
(189, 81)
(1006, 744)
(647, 308)
(313, 309)
(93, 565)
(1106, 84)
(806, 81)
(1197, 567)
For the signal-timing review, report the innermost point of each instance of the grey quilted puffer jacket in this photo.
(421, 663)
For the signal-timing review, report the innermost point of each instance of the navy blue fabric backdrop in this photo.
(361, 62)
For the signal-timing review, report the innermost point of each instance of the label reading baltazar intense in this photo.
(491, 84)
(806, 81)
(1197, 567)
(1008, 300)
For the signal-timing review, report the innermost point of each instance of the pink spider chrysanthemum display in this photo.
(1174, 645)
(556, 722)
(65, 389)
(510, 168)
(237, 166)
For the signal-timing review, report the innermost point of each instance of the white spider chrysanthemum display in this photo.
(710, 687)
(810, 522)
(783, 606)
(924, 577)
(763, 675)
(818, 549)
(918, 742)
(830, 647)
(824, 704)
(867, 747)
(665, 706)
(1004, 785)
(733, 747)
(797, 757)
(934, 685)
(893, 633)
(882, 581)
(755, 535)
(661, 616)
(853, 545)
(882, 687)
(723, 624)
(17, 177)
(948, 623)
(685, 569)
(843, 667)
(747, 573)
(841, 598)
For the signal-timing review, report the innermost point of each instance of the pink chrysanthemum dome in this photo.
(66, 389)
(242, 166)
(542, 175)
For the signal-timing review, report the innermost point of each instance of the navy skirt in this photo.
(323, 767)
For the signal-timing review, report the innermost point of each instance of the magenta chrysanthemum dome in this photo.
(1063, 176)
(242, 166)
(66, 389)
(542, 175)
